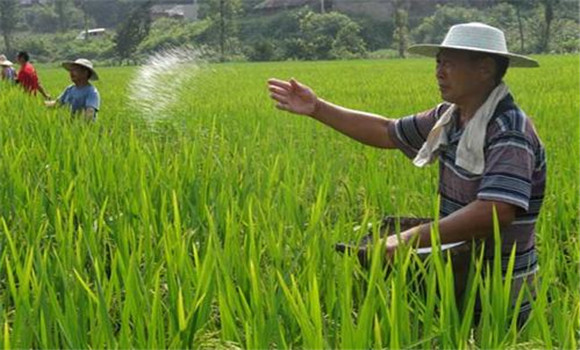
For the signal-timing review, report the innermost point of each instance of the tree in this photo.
(520, 6)
(401, 32)
(549, 6)
(133, 31)
(82, 5)
(325, 6)
(223, 29)
(109, 13)
(8, 22)
(60, 7)
(433, 28)
(327, 36)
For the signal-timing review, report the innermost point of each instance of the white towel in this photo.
(470, 148)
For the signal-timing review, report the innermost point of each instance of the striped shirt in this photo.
(514, 173)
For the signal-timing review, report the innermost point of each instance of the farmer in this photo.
(490, 157)
(27, 76)
(81, 96)
(8, 72)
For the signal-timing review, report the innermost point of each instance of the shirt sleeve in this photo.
(93, 100)
(509, 166)
(409, 133)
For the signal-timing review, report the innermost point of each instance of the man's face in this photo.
(459, 76)
(79, 75)
(20, 60)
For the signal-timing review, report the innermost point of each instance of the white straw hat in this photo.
(83, 62)
(4, 62)
(477, 37)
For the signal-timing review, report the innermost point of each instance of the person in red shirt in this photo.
(27, 76)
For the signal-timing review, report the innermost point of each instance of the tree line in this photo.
(234, 30)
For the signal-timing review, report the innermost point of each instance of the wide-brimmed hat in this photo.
(83, 62)
(4, 61)
(476, 37)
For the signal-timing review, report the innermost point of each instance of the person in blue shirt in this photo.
(81, 97)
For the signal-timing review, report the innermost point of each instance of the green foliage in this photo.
(61, 16)
(41, 19)
(375, 33)
(504, 16)
(248, 5)
(223, 28)
(383, 54)
(263, 50)
(278, 26)
(133, 31)
(563, 34)
(166, 32)
(268, 37)
(65, 46)
(109, 13)
(8, 21)
(232, 30)
(433, 28)
(565, 37)
(401, 22)
(327, 36)
(98, 50)
(400, 34)
(61, 7)
(548, 7)
(35, 46)
(348, 43)
(303, 34)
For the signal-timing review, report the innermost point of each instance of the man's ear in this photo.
(487, 68)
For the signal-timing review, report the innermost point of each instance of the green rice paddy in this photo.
(216, 228)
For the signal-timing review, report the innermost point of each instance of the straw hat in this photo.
(4, 62)
(477, 37)
(83, 62)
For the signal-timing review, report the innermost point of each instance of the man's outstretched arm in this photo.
(367, 128)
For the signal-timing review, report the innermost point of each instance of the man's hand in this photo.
(44, 93)
(89, 114)
(391, 244)
(292, 96)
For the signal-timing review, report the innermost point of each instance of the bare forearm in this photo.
(474, 221)
(366, 128)
(43, 92)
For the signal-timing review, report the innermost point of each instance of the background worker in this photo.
(27, 76)
(8, 73)
(81, 96)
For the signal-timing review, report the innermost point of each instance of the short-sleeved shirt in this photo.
(514, 173)
(28, 78)
(81, 98)
(8, 73)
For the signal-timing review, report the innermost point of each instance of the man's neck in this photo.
(468, 108)
(82, 84)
